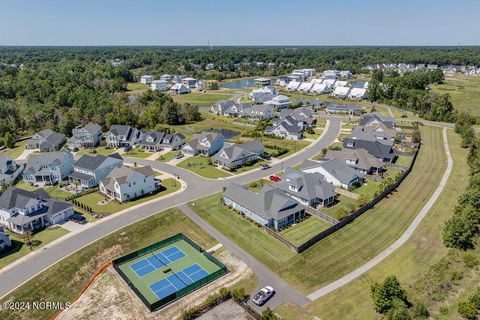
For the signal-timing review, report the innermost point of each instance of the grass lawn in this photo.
(246, 234)
(368, 189)
(104, 151)
(340, 201)
(292, 145)
(64, 280)
(111, 207)
(136, 86)
(138, 153)
(249, 168)
(392, 173)
(464, 93)
(19, 248)
(167, 156)
(404, 161)
(408, 263)
(53, 191)
(305, 230)
(15, 152)
(200, 98)
(201, 166)
(356, 243)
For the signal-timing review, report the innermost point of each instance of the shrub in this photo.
(239, 294)
(470, 259)
(467, 310)
(475, 299)
(385, 294)
(342, 212)
(420, 311)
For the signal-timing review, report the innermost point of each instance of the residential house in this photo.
(330, 83)
(330, 74)
(279, 102)
(26, 211)
(305, 87)
(286, 128)
(293, 86)
(9, 170)
(341, 84)
(378, 130)
(237, 155)
(303, 116)
(88, 136)
(221, 106)
(333, 108)
(262, 82)
(341, 92)
(370, 119)
(48, 168)
(190, 82)
(382, 150)
(270, 207)
(155, 141)
(358, 159)
(263, 94)
(179, 88)
(320, 88)
(166, 77)
(358, 94)
(261, 111)
(46, 140)
(146, 79)
(88, 171)
(5, 242)
(237, 110)
(335, 171)
(205, 143)
(310, 189)
(125, 183)
(123, 136)
(159, 85)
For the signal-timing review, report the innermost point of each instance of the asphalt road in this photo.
(198, 187)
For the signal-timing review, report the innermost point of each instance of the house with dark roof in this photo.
(334, 108)
(303, 116)
(123, 136)
(221, 106)
(88, 171)
(286, 128)
(233, 156)
(378, 130)
(5, 242)
(88, 136)
(48, 168)
(9, 170)
(270, 207)
(125, 183)
(260, 111)
(358, 159)
(310, 189)
(26, 211)
(369, 119)
(335, 171)
(46, 140)
(382, 150)
(155, 141)
(206, 143)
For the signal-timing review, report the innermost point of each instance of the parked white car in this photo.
(262, 296)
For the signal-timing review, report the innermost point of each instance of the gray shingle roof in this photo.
(36, 161)
(368, 117)
(17, 198)
(308, 185)
(363, 159)
(373, 146)
(337, 168)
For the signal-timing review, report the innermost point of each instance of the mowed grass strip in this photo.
(245, 233)
(305, 230)
(64, 280)
(408, 263)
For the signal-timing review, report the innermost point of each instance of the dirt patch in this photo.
(227, 310)
(109, 297)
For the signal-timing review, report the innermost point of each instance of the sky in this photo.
(244, 22)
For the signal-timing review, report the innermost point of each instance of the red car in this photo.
(275, 178)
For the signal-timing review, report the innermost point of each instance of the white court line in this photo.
(186, 275)
(148, 265)
(168, 285)
(172, 284)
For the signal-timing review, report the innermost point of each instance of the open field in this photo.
(20, 249)
(408, 263)
(92, 200)
(201, 166)
(305, 230)
(464, 92)
(137, 87)
(356, 243)
(64, 280)
(202, 99)
(53, 191)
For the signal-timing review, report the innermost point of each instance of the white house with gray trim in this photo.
(335, 172)
(48, 168)
(88, 171)
(237, 155)
(270, 207)
(4, 240)
(88, 136)
(123, 136)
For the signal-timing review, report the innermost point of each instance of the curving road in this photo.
(400, 241)
(198, 187)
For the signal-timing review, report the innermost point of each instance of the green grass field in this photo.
(408, 263)
(201, 166)
(192, 256)
(99, 150)
(138, 153)
(92, 200)
(15, 152)
(167, 156)
(464, 92)
(351, 246)
(305, 230)
(404, 161)
(54, 191)
(368, 189)
(201, 99)
(20, 249)
(64, 280)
